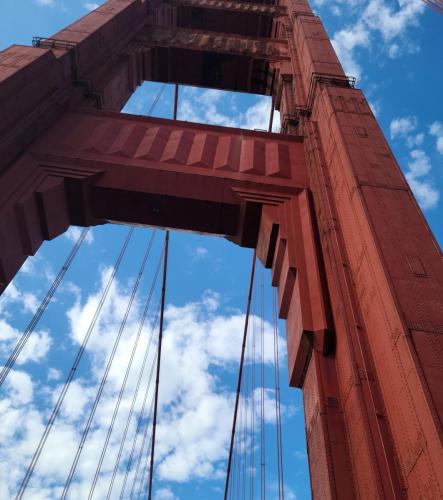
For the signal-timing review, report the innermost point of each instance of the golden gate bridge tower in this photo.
(324, 203)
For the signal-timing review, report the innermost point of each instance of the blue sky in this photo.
(393, 48)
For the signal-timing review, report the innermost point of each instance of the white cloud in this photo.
(217, 107)
(419, 166)
(74, 232)
(345, 43)
(393, 50)
(379, 16)
(12, 295)
(415, 140)
(54, 374)
(375, 107)
(257, 116)
(436, 130)
(402, 126)
(91, 6)
(420, 163)
(35, 349)
(195, 407)
(198, 253)
(376, 17)
(20, 387)
(426, 194)
(192, 401)
(164, 494)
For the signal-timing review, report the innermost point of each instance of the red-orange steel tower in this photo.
(359, 274)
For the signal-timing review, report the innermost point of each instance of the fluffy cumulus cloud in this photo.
(402, 126)
(201, 348)
(220, 108)
(381, 23)
(419, 164)
(436, 130)
(74, 233)
(39, 341)
(27, 301)
(346, 41)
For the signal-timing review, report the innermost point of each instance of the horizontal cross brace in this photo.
(253, 8)
(191, 39)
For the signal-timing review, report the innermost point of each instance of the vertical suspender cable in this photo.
(252, 453)
(281, 485)
(134, 398)
(139, 425)
(107, 369)
(42, 308)
(159, 352)
(72, 372)
(157, 98)
(245, 428)
(262, 395)
(175, 101)
(139, 459)
(240, 372)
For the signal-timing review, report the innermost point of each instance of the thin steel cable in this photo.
(262, 396)
(122, 389)
(157, 98)
(131, 411)
(73, 370)
(278, 400)
(140, 455)
(107, 370)
(238, 440)
(139, 426)
(274, 323)
(234, 477)
(240, 372)
(246, 416)
(252, 454)
(41, 308)
(437, 5)
(159, 354)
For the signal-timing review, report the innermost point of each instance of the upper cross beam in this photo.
(191, 39)
(234, 6)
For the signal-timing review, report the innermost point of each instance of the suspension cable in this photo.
(139, 426)
(107, 369)
(159, 353)
(281, 485)
(41, 308)
(245, 420)
(242, 358)
(141, 454)
(125, 379)
(252, 451)
(131, 411)
(157, 98)
(72, 372)
(262, 394)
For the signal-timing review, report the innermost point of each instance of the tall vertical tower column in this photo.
(385, 282)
